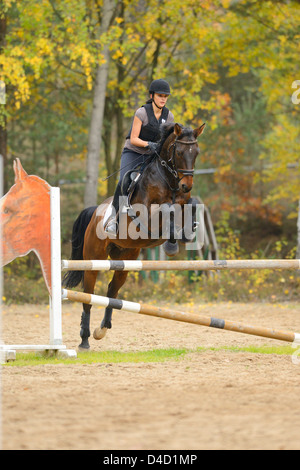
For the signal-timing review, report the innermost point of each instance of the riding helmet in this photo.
(160, 86)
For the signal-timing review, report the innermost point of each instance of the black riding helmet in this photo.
(160, 86)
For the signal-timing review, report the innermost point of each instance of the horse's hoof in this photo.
(171, 249)
(84, 346)
(99, 333)
(183, 238)
(105, 324)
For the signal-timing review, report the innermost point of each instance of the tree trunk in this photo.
(94, 141)
(114, 115)
(119, 138)
(107, 127)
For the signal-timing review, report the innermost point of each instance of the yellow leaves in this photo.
(36, 63)
(81, 54)
(213, 122)
(224, 169)
(6, 4)
(86, 63)
(12, 72)
(226, 3)
(112, 84)
(117, 55)
(17, 52)
(44, 46)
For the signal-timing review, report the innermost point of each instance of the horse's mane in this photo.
(167, 129)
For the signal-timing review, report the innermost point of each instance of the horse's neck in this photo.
(154, 185)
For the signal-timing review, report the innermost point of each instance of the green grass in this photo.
(279, 350)
(104, 357)
(155, 355)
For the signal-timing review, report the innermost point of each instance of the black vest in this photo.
(150, 132)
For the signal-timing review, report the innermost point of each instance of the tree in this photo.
(94, 142)
(142, 51)
(46, 58)
(211, 52)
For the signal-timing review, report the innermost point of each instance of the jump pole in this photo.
(160, 312)
(148, 265)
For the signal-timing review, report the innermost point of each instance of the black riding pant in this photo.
(129, 160)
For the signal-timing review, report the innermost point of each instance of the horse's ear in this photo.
(20, 173)
(177, 130)
(199, 131)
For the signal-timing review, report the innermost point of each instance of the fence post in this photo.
(55, 296)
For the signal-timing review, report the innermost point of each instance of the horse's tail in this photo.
(73, 278)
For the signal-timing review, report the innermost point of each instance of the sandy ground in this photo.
(208, 400)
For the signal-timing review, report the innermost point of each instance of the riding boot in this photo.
(112, 224)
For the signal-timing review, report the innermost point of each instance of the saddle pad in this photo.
(107, 214)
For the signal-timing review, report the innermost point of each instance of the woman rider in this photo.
(141, 141)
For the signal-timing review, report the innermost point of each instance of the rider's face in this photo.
(160, 99)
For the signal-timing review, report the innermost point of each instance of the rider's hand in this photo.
(153, 146)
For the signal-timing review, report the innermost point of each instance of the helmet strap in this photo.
(155, 103)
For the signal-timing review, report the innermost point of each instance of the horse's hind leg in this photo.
(85, 327)
(89, 284)
(116, 283)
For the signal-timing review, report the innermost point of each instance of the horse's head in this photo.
(181, 152)
(25, 219)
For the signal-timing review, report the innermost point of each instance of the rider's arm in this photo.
(135, 132)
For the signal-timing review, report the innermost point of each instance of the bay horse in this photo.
(25, 221)
(168, 179)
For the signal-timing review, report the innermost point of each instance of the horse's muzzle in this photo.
(186, 188)
(186, 181)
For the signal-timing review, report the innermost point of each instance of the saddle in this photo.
(128, 187)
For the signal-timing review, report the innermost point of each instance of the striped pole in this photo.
(169, 314)
(139, 265)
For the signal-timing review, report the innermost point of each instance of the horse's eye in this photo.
(6, 210)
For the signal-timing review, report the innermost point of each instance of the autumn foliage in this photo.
(230, 64)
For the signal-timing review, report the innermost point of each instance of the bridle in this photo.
(170, 164)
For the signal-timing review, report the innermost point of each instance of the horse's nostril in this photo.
(186, 189)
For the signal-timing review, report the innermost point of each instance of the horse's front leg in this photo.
(89, 285)
(189, 221)
(170, 246)
(116, 283)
